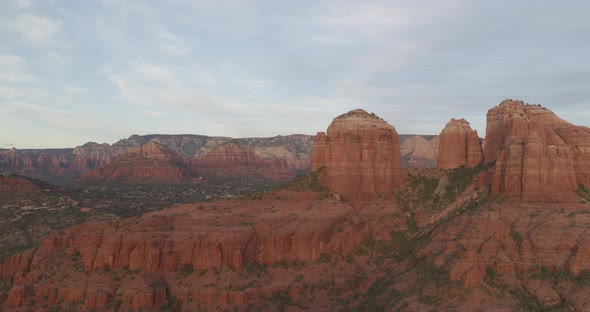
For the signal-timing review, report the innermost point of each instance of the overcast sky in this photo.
(78, 71)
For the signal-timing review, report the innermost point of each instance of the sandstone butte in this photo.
(459, 146)
(538, 156)
(469, 254)
(361, 154)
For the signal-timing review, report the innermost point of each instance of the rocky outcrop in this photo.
(14, 185)
(276, 158)
(418, 151)
(151, 162)
(143, 260)
(539, 156)
(41, 163)
(459, 146)
(233, 159)
(361, 155)
(93, 155)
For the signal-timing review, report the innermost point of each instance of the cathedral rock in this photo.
(361, 154)
(539, 156)
(459, 145)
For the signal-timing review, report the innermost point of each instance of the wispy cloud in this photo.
(35, 29)
(257, 68)
(330, 39)
(71, 90)
(154, 114)
(152, 85)
(8, 93)
(14, 69)
(24, 3)
(172, 44)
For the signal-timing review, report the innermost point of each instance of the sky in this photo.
(79, 71)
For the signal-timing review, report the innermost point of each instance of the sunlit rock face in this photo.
(539, 156)
(459, 146)
(361, 154)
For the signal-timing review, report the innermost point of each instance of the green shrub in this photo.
(325, 257)
(283, 264)
(186, 269)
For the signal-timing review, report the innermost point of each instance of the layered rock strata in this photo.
(539, 156)
(459, 146)
(361, 154)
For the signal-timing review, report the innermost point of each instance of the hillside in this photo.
(502, 232)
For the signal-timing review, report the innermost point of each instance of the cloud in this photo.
(329, 39)
(14, 69)
(154, 114)
(367, 16)
(24, 3)
(8, 93)
(172, 44)
(35, 29)
(152, 85)
(71, 90)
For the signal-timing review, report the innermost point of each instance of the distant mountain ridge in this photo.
(275, 158)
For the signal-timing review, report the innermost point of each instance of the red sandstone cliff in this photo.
(233, 159)
(418, 152)
(539, 156)
(361, 154)
(459, 146)
(151, 162)
(48, 162)
(93, 265)
(277, 158)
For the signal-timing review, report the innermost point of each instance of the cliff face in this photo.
(45, 162)
(418, 152)
(539, 156)
(140, 261)
(361, 154)
(232, 159)
(276, 158)
(151, 162)
(459, 146)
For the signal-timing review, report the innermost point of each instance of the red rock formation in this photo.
(361, 155)
(237, 159)
(419, 152)
(230, 154)
(459, 146)
(92, 155)
(151, 162)
(73, 266)
(539, 156)
(18, 185)
(35, 162)
(277, 158)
